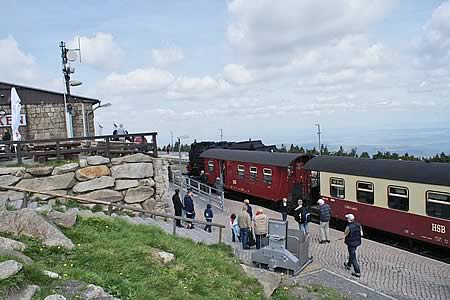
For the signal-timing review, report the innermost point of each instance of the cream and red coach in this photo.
(268, 175)
(408, 198)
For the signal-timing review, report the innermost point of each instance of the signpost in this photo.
(6, 120)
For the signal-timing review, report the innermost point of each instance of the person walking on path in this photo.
(249, 208)
(302, 216)
(189, 208)
(234, 228)
(209, 214)
(325, 217)
(261, 225)
(284, 209)
(244, 223)
(353, 233)
(177, 206)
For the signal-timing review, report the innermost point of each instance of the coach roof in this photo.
(278, 159)
(401, 170)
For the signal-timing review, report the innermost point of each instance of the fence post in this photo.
(108, 149)
(174, 226)
(19, 153)
(155, 146)
(220, 235)
(58, 151)
(25, 200)
(110, 208)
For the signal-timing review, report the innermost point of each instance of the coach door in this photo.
(300, 183)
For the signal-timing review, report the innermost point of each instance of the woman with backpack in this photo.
(302, 216)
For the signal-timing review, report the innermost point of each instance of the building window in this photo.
(253, 173)
(241, 171)
(364, 192)
(337, 188)
(438, 205)
(398, 198)
(210, 166)
(267, 175)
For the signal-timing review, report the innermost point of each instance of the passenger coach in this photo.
(408, 198)
(268, 175)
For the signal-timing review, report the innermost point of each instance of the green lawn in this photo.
(118, 257)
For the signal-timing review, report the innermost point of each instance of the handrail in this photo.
(111, 204)
(60, 145)
(79, 138)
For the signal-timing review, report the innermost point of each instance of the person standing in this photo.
(284, 209)
(302, 216)
(177, 206)
(209, 214)
(234, 228)
(244, 223)
(353, 233)
(189, 208)
(325, 217)
(261, 225)
(249, 208)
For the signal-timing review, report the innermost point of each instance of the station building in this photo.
(42, 113)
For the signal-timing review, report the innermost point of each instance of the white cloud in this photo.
(167, 56)
(100, 50)
(433, 46)
(137, 81)
(198, 87)
(15, 64)
(344, 59)
(266, 26)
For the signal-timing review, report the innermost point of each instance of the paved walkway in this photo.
(397, 273)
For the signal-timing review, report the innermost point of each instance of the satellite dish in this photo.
(75, 83)
(72, 55)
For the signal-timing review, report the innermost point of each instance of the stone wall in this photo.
(137, 180)
(45, 121)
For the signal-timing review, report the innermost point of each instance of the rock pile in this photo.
(138, 179)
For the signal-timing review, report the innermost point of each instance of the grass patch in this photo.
(115, 255)
(310, 291)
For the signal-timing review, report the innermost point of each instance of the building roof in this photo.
(400, 170)
(31, 95)
(278, 159)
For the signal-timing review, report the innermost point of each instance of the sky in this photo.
(257, 69)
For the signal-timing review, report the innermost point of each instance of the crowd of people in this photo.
(250, 229)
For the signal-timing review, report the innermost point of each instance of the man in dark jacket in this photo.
(189, 208)
(353, 233)
(209, 214)
(325, 217)
(284, 209)
(177, 206)
(302, 216)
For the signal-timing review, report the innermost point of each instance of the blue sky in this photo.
(260, 69)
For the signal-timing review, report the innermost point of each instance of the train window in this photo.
(337, 187)
(438, 205)
(364, 192)
(398, 198)
(253, 173)
(210, 166)
(241, 171)
(267, 175)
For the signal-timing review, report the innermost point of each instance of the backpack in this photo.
(306, 216)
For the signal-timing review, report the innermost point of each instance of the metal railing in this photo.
(202, 191)
(111, 206)
(106, 145)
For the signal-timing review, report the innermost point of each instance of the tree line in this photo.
(442, 157)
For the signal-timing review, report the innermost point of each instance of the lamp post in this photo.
(86, 131)
(319, 133)
(179, 158)
(67, 56)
